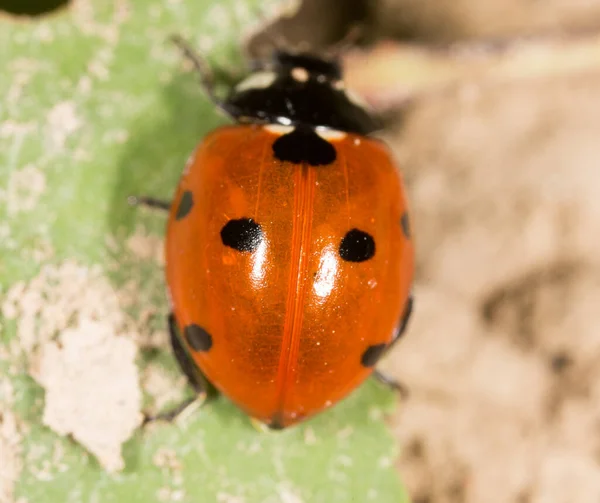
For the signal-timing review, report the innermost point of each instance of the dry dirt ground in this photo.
(503, 353)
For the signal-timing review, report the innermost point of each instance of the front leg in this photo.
(149, 202)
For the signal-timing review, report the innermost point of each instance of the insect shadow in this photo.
(160, 141)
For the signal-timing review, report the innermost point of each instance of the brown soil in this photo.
(502, 356)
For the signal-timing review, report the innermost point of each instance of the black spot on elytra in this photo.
(303, 144)
(372, 354)
(198, 338)
(243, 234)
(357, 246)
(186, 203)
(405, 223)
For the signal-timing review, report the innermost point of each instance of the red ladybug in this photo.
(289, 256)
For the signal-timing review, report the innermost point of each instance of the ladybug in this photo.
(289, 255)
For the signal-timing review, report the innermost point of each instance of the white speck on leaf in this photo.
(10, 445)
(25, 186)
(146, 246)
(10, 128)
(84, 15)
(44, 34)
(98, 70)
(22, 71)
(84, 86)
(309, 436)
(345, 461)
(62, 123)
(229, 498)
(375, 414)
(345, 433)
(385, 462)
(288, 494)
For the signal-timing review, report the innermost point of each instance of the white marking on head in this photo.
(284, 121)
(259, 80)
(300, 74)
(279, 129)
(330, 134)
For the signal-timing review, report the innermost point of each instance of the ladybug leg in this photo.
(259, 425)
(173, 414)
(381, 376)
(201, 386)
(149, 202)
(202, 68)
(392, 383)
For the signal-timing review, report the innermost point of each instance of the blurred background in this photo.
(493, 111)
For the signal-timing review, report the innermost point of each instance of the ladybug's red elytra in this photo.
(289, 256)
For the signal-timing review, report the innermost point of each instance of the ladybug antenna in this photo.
(200, 65)
(352, 36)
(281, 44)
(274, 43)
(277, 40)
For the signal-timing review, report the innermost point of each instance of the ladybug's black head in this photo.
(299, 89)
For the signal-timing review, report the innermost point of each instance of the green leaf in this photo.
(98, 106)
